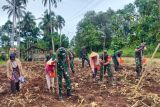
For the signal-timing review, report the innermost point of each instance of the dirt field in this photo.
(87, 93)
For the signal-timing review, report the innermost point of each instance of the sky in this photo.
(71, 10)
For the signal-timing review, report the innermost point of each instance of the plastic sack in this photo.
(21, 79)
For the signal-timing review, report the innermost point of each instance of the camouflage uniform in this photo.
(71, 57)
(115, 59)
(63, 70)
(138, 59)
(84, 57)
(106, 67)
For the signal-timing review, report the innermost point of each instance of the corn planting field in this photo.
(87, 93)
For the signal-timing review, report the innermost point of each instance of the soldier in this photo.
(71, 57)
(138, 58)
(84, 57)
(106, 65)
(63, 68)
(115, 59)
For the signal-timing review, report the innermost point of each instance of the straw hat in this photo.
(93, 54)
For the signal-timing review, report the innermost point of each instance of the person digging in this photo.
(106, 65)
(138, 58)
(50, 73)
(95, 64)
(116, 55)
(14, 72)
(63, 68)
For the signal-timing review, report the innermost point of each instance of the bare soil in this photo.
(86, 92)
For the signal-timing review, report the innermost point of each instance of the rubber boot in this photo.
(60, 96)
(111, 81)
(138, 73)
(52, 90)
(69, 93)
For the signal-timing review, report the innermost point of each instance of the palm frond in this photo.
(5, 7)
(10, 14)
(9, 2)
(44, 2)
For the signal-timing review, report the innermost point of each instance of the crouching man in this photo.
(95, 64)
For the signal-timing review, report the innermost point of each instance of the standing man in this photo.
(138, 58)
(14, 71)
(84, 57)
(106, 65)
(63, 68)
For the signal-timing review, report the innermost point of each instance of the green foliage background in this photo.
(124, 29)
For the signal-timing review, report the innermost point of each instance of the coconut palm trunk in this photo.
(13, 26)
(60, 37)
(14, 8)
(19, 39)
(51, 26)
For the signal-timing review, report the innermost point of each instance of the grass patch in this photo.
(2, 62)
(130, 52)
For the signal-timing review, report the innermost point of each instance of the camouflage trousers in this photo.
(103, 71)
(138, 66)
(72, 66)
(116, 64)
(65, 74)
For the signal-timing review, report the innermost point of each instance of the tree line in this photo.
(26, 32)
(125, 28)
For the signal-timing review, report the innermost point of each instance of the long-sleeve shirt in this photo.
(10, 67)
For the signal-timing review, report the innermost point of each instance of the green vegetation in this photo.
(26, 32)
(124, 29)
(130, 52)
(2, 62)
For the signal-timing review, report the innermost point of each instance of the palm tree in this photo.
(7, 30)
(16, 9)
(27, 25)
(7, 27)
(28, 30)
(50, 4)
(48, 22)
(60, 24)
(24, 2)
